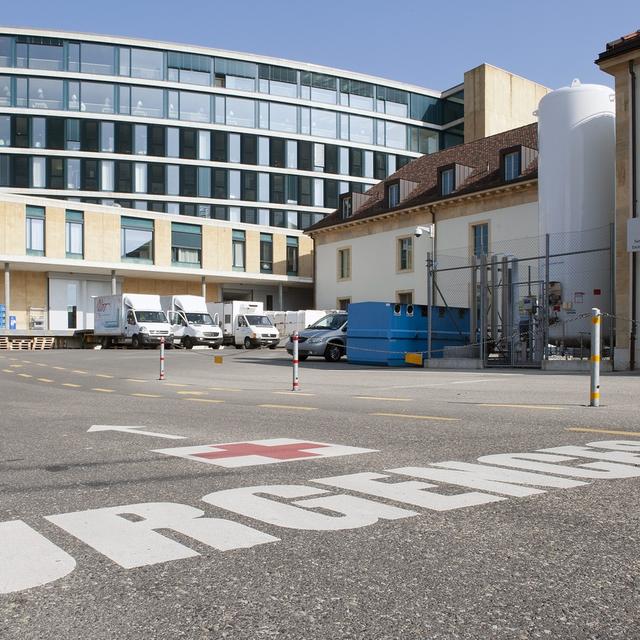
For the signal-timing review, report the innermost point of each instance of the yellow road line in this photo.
(42, 364)
(45, 380)
(380, 398)
(27, 361)
(222, 389)
(25, 375)
(287, 406)
(102, 390)
(60, 368)
(204, 400)
(608, 431)
(15, 366)
(70, 384)
(174, 384)
(538, 407)
(145, 395)
(84, 373)
(293, 393)
(103, 375)
(8, 370)
(192, 393)
(415, 417)
(134, 380)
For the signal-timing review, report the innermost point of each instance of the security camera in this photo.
(421, 230)
(418, 232)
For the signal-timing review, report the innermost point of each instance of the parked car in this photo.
(327, 337)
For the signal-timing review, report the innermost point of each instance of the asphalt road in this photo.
(364, 560)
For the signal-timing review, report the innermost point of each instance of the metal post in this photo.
(7, 294)
(474, 299)
(483, 308)
(161, 358)
(203, 287)
(296, 380)
(114, 284)
(506, 335)
(494, 298)
(429, 302)
(594, 397)
(280, 298)
(612, 288)
(545, 304)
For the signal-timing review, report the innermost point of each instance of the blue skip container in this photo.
(383, 332)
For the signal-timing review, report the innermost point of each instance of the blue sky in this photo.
(423, 42)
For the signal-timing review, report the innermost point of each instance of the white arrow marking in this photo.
(111, 427)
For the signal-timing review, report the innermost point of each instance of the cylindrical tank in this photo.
(576, 186)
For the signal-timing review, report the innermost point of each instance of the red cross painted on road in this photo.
(277, 452)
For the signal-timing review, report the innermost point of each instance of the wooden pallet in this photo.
(20, 344)
(4, 343)
(41, 342)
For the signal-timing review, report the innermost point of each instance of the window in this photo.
(73, 173)
(38, 172)
(447, 181)
(480, 239)
(404, 297)
(5, 52)
(90, 177)
(74, 227)
(186, 244)
(140, 139)
(45, 94)
(238, 250)
(283, 117)
(97, 58)
(147, 64)
(249, 149)
(55, 173)
(241, 112)
(405, 254)
(5, 91)
(107, 136)
(189, 68)
(35, 230)
(347, 207)
(512, 165)
(395, 134)
(266, 253)
(361, 129)
(195, 107)
(96, 97)
(147, 102)
(136, 240)
(277, 152)
(107, 175)
(45, 55)
(344, 264)
(249, 189)
(292, 256)
(343, 303)
(393, 195)
(324, 123)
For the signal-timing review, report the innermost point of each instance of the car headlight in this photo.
(144, 330)
(316, 340)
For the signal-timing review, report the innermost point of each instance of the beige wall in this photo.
(12, 229)
(54, 242)
(496, 101)
(101, 237)
(28, 289)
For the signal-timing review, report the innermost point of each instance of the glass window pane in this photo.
(73, 56)
(5, 131)
(396, 135)
(361, 129)
(97, 58)
(44, 56)
(242, 84)
(263, 151)
(38, 132)
(45, 94)
(38, 172)
(234, 185)
(140, 177)
(173, 180)
(323, 123)
(124, 100)
(204, 145)
(140, 139)
(292, 154)
(147, 64)
(283, 117)
(234, 147)
(195, 107)
(263, 118)
(5, 51)
(107, 136)
(263, 187)
(5, 91)
(147, 102)
(137, 244)
(125, 61)
(219, 112)
(96, 97)
(73, 173)
(106, 175)
(240, 112)
(173, 142)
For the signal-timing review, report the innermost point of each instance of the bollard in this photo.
(296, 381)
(161, 358)
(594, 397)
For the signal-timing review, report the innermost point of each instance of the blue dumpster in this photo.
(383, 332)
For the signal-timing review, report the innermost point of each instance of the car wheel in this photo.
(187, 343)
(135, 342)
(333, 353)
(247, 343)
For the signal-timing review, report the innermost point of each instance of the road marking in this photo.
(135, 430)
(257, 452)
(381, 398)
(293, 393)
(15, 366)
(416, 417)
(287, 406)
(70, 384)
(192, 393)
(609, 431)
(8, 370)
(174, 384)
(27, 361)
(102, 390)
(134, 380)
(42, 364)
(84, 373)
(25, 375)
(103, 375)
(222, 389)
(539, 407)
(145, 395)
(59, 368)
(44, 380)
(204, 400)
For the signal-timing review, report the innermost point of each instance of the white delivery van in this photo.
(130, 318)
(190, 321)
(244, 324)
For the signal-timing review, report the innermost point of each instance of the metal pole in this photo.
(7, 294)
(474, 300)
(114, 284)
(429, 302)
(612, 286)
(161, 358)
(296, 380)
(545, 291)
(280, 298)
(203, 287)
(594, 396)
(494, 298)
(483, 308)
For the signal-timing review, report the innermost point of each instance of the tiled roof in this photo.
(630, 42)
(482, 156)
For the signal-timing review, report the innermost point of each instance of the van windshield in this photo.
(151, 316)
(199, 318)
(331, 322)
(258, 321)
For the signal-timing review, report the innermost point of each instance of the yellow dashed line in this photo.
(8, 370)
(60, 368)
(102, 390)
(85, 373)
(27, 361)
(45, 380)
(191, 393)
(380, 398)
(15, 366)
(145, 395)
(42, 364)
(538, 407)
(293, 393)
(415, 417)
(222, 389)
(287, 406)
(204, 400)
(70, 384)
(134, 380)
(174, 384)
(25, 375)
(103, 375)
(609, 431)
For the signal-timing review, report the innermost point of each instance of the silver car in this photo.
(326, 337)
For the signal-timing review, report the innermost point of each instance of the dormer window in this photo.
(347, 207)
(393, 195)
(447, 181)
(512, 165)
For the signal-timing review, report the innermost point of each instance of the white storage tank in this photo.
(576, 169)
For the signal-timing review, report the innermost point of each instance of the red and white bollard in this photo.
(161, 358)
(296, 380)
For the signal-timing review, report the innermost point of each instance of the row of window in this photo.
(137, 241)
(52, 54)
(151, 102)
(72, 134)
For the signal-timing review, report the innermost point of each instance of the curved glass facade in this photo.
(202, 132)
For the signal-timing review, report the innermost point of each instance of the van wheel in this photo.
(333, 353)
(135, 342)
(247, 343)
(187, 343)
(238, 346)
(272, 346)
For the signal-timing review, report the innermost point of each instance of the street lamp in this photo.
(430, 231)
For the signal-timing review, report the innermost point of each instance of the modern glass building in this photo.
(195, 131)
